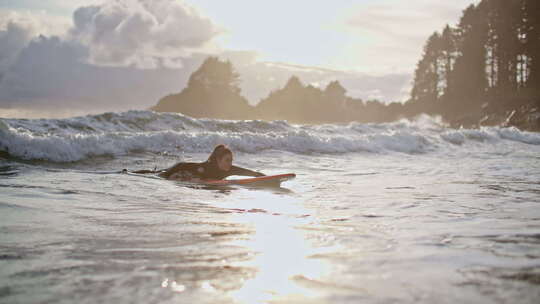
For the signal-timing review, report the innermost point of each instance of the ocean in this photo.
(403, 212)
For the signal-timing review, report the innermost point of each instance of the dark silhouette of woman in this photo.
(218, 166)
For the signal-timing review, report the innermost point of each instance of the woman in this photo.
(218, 166)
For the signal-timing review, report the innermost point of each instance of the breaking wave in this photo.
(118, 134)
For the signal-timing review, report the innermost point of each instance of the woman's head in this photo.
(222, 157)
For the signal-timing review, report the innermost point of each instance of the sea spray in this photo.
(118, 134)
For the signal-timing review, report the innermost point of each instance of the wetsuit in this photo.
(205, 170)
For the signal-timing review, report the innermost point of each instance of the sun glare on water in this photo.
(281, 251)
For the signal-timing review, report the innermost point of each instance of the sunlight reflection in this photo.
(173, 285)
(282, 252)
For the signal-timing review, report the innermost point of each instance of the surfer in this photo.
(218, 166)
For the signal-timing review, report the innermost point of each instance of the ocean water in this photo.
(404, 212)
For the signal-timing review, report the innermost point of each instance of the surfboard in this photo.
(267, 180)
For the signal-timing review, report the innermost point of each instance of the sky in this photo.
(90, 56)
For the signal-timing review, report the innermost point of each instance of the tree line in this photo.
(485, 70)
(485, 67)
(213, 91)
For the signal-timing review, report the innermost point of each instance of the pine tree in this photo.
(532, 43)
(212, 91)
(489, 64)
(426, 78)
(503, 21)
(448, 57)
(216, 74)
(468, 78)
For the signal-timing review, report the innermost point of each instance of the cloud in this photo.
(400, 21)
(264, 77)
(123, 55)
(13, 39)
(18, 29)
(397, 30)
(136, 32)
(52, 73)
(114, 56)
(240, 58)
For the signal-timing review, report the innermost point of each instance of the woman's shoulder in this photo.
(186, 170)
(196, 167)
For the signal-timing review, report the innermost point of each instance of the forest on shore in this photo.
(483, 71)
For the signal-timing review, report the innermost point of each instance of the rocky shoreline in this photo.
(526, 118)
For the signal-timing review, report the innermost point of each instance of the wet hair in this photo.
(219, 152)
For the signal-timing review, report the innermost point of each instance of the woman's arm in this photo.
(143, 171)
(243, 172)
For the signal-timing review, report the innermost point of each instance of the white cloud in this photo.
(117, 57)
(240, 58)
(260, 78)
(18, 29)
(392, 33)
(51, 73)
(41, 22)
(13, 39)
(137, 32)
(44, 69)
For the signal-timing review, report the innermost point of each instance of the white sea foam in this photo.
(116, 134)
(514, 134)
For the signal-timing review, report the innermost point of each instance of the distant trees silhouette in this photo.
(212, 91)
(485, 70)
(485, 67)
(301, 103)
(298, 103)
